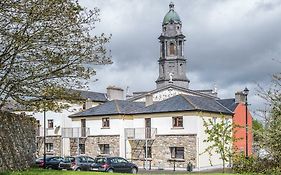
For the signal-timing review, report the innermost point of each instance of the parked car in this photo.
(52, 162)
(77, 163)
(114, 164)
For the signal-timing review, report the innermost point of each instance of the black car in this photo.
(77, 163)
(114, 164)
(52, 162)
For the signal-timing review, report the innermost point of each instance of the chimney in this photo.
(115, 93)
(240, 97)
(148, 99)
(88, 104)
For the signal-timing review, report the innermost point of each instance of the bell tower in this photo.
(172, 63)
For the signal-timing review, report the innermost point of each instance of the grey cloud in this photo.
(231, 43)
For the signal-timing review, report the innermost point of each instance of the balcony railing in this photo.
(75, 132)
(140, 133)
(48, 131)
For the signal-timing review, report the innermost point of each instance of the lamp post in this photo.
(44, 139)
(246, 92)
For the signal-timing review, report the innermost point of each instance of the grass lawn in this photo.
(54, 172)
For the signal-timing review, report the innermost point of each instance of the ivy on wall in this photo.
(17, 141)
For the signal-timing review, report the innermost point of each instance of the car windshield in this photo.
(100, 160)
(69, 159)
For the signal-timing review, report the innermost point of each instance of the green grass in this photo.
(54, 172)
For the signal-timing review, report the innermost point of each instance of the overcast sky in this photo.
(231, 44)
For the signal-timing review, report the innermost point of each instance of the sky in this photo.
(230, 44)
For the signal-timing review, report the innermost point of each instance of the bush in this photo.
(255, 165)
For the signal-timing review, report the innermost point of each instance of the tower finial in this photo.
(171, 5)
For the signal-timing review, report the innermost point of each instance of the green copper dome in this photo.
(171, 15)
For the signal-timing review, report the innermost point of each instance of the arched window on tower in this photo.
(163, 49)
(180, 48)
(172, 49)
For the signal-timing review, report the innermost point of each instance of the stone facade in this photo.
(17, 141)
(92, 145)
(161, 153)
(74, 145)
(57, 145)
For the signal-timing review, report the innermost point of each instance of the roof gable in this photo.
(169, 91)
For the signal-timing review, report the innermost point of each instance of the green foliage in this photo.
(254, 165)
(47, 47)
(271, 135)
(258, 129)
(219, 138)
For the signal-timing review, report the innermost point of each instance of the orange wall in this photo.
(239, 118)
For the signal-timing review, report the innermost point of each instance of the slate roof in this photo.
(94, 96)
(174, 104)
(185, 103)
(113, 107)
(229, 103)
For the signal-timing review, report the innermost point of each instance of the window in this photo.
(91, 160)
(38, 127)
(49, 147)
(83, 127)
(105, 122)
(51, 123)
(104, 148)
(177, 122)
(177, 152)
(82, 148)
(148, 151)
(172, 49)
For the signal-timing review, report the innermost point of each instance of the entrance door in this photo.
(148, 128)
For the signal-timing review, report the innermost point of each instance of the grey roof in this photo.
(186, 103)
(94, 96)
(229, 103)
(111, 108)
(174, 104)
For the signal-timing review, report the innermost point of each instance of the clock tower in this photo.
(172, 63)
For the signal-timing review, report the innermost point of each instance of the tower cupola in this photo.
(171, 16)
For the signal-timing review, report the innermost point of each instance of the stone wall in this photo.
(57, 146)
(17, 141)
(92, 144)
(74, 145)
(160, 151)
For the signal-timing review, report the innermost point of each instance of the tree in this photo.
(257, 129)
(271, 134)
(47, 48)
(219, 137)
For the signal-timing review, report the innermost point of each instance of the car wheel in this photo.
(49, 167)
(78, 169)
(110, 171)
(134, 171)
